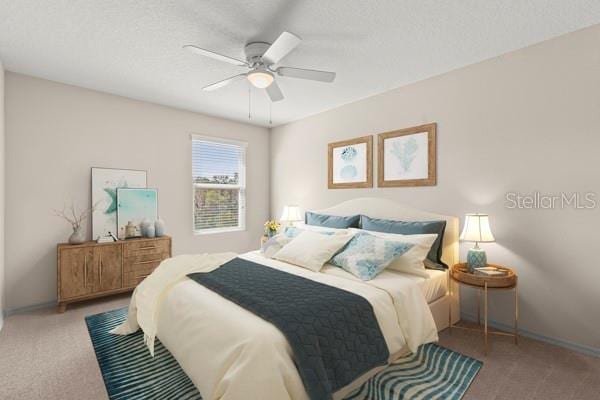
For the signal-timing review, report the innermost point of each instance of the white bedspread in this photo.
(148, 295)
(230, 353)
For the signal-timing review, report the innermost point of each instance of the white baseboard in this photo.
(580, 348)
(32, 307)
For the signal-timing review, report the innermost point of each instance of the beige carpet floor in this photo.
(46, 355)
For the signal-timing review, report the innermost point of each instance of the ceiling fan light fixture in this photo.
(261, 59)
(260, 78)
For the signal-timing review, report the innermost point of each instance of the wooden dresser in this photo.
(93, 270)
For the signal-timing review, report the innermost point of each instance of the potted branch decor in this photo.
(75, 218)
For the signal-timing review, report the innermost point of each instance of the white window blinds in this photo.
(219, 184)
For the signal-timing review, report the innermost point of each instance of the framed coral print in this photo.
(350, 163)
(407, 157)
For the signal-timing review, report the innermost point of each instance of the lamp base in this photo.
(476, 258)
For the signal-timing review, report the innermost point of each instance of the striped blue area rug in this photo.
(130, 372)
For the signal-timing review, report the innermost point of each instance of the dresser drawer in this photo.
(142, 263)
(133, 278)
(147, 248)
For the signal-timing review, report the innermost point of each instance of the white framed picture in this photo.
(105, 182)
(350, 163)
(407, 157)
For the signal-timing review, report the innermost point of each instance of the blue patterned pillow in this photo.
(411, 228)
(274, 244)
(293, 231)
(365, 256)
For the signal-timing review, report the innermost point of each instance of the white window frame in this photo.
(241, 186)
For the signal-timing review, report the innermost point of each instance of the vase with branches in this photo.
(76, 218)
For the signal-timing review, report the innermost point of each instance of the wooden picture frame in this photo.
(406, 157)
(350, 163)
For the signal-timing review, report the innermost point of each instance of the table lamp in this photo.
(291, 214)
(476, 229)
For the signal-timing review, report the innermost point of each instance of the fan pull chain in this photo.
(270, 113)
(249, 96)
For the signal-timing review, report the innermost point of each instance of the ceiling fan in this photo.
(261, 58)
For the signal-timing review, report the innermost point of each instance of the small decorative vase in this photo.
(271, 233)
(159, 227)
(130, 230)
(150, 231)
(78, 236)
(145, 226)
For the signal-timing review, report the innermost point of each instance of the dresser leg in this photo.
(62, 307)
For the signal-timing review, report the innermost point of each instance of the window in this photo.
(219, 184)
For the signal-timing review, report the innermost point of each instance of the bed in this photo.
(230, 353)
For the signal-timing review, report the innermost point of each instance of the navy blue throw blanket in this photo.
(333, 333)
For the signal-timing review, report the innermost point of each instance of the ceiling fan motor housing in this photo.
(254, 52)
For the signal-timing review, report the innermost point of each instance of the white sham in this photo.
(312, 249)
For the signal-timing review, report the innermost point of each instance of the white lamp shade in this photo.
(291, 214)
(260, 78)
(477, 228)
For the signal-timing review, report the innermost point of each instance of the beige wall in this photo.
(56, 133)
(527, 121)
(2, 158)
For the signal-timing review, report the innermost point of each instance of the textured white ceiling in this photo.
(133, 48)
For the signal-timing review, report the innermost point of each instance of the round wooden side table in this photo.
(460, 274)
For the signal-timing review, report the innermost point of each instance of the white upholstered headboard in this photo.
(386, 209)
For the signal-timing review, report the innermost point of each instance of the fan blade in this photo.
(285, 43)
(274, 92)
(312, 74)
(216, 56)
(224, 82)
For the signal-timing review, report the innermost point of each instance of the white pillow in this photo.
(311, 249)
(277, 242)
(410, 262)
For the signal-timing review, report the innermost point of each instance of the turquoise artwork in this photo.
(105, 182)
(349, 153)
(112, 193)
(405, 152)
(406, 156)
(134, 206)
(349, 163)
(348, 172)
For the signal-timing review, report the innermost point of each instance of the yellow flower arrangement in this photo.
(271, 227)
